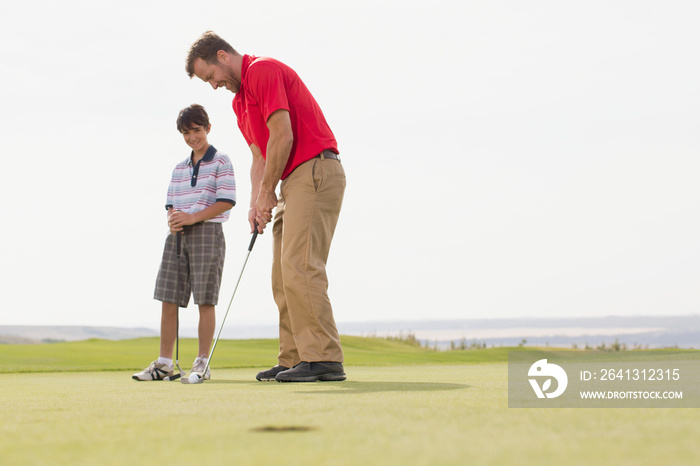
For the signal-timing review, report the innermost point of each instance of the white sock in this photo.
(163, 360)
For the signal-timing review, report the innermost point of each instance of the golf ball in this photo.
(194, 378)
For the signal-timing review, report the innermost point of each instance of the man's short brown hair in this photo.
(206, 48)
(191, 116)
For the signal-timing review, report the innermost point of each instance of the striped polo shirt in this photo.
(194, 187)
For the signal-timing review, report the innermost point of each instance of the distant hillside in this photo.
(14, 340)
(27, 334)
(644, 331)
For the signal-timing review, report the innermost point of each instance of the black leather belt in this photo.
(328, 154)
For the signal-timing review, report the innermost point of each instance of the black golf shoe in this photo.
(270, 374)
(312, 372)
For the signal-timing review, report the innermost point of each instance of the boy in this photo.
(202, 191)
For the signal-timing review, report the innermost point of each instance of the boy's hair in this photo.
(194, 115)
(206, 48)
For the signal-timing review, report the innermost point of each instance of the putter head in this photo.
(176, 376)
(181, 374)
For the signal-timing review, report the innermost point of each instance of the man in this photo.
(294, 147)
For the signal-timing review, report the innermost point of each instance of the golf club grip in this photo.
(252, 240)
(179, 243)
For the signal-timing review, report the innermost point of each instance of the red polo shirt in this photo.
(268, 85)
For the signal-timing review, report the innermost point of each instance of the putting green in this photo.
(428, 414)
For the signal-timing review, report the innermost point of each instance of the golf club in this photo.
(177, 317)
(194, 378)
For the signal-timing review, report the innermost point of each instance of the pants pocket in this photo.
(317, 174)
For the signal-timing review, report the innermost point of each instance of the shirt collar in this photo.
(208, 155)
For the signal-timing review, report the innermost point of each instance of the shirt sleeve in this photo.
(267, 84)
(225, 181)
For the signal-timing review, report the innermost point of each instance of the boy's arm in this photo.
(179, 219)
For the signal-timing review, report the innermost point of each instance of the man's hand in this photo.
(267, 200)
(178, 219)
(252, 215)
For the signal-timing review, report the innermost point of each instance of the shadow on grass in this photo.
(374, 387)
(353, 386)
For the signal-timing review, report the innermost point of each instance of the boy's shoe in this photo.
(270, 374)
(156, 371)
(313, 371)
(198, 368)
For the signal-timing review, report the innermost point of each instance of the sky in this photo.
(504, 158)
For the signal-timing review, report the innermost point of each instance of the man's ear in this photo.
(222, 56)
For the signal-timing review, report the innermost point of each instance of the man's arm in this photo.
(257, 169)
(279, 147)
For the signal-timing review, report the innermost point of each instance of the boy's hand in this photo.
(178, 219)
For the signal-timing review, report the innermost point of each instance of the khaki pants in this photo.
(305, 220)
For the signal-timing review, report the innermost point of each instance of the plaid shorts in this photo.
(199, 269)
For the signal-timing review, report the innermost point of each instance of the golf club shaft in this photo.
(177, 302)
(223, 321)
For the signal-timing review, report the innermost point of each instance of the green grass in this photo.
(104, 355)
(410, 407)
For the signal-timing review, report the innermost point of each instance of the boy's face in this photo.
(196, 137)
